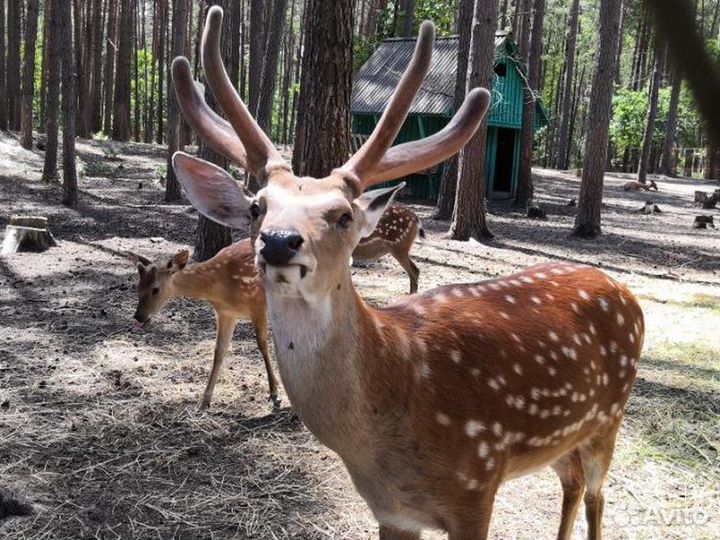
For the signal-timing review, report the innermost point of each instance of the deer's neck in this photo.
(318, 346)
(195, 282)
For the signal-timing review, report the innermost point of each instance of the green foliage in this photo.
(441, 13)
(362, 50)
(629, 116)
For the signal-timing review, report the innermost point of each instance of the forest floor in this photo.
(98, 428)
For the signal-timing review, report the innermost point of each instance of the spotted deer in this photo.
(229, 281)
(434, 401)
(395, 234)
(639, 186)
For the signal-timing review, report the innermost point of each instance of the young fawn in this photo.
(395, 235)
(229, 281)
(432, 402)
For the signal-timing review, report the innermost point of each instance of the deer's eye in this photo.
(155, 290)
(344, 220)
(255, 210)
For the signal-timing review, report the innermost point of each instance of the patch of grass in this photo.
(674, 412)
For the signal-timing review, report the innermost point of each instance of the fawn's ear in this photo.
(373, 204)
(212, 191)
(139, 261)
(179, 260)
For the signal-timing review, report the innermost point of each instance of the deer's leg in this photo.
(225, 329)
(596, 457)
(409, 266)
(391, 533)
(475, 521)
(261, 336)
(569, 470)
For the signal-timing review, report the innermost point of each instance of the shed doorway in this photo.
(503, 176)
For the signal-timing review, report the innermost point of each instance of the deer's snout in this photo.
(279, 247)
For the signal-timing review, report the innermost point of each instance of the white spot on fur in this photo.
(455, 356)
(483, 450)
(473, 428)
(442, 419)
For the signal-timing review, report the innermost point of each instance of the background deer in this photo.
(229, 281)
(434, 401)
(395, 235)
(639, 186)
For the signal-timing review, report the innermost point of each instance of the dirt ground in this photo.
(98, 429)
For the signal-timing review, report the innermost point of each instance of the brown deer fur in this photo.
(395, 235)
(229, 281)
(434, 401)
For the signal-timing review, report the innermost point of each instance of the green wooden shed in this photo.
(433, 107)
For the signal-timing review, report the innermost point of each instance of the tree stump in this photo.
(536, 212)
(650, 208)
(703, 222)
(701, 196)
(27, 233)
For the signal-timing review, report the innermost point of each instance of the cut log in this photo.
(701, 196)
(650, 208)
(27, 233)
(703, 222)
(536, 212)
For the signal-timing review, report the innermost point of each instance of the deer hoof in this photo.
(204, 404)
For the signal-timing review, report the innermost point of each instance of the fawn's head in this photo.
(155, 284)
(305, 229)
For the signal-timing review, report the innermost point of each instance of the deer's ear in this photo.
(373, 204)
(179, 260)
(138, 260)
(212, 191)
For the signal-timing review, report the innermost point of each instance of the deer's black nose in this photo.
(280, 246)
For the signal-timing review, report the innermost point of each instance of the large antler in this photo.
(375, 162)
(253, 150)
(211, 127)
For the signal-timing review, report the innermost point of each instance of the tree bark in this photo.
(3, 82)
(587, 222)
(14, 31)
(212, 237)
(469, 218)
(408, 17)
(53, 45)
(448, 184)
(527, 139)
(669, 165)
(325, 83)
(94, 111)
(563, 151)
(109, 72)
(81, 47)
(179, 24)
(651, 115)
(257, 11)
(28, 82)
(69, 105)
(270, 65)
(121, 112)
(161, 67)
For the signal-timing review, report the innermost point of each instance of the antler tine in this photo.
(261, 154)
(369, 155)
(214, 129)
(410, 157)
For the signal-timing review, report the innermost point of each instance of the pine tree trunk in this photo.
(94, 112)
(448, 184)
(324, 89)
(257, 10)
(469, 219)
(44, 67)
(287, 73)
(527, 139)
(83, 130)
(563, 151)
(270, 65)
(241, 59)
(3, 81)
(212, 237)
(69, 104)
(587, 222)
(669, 165)
(121, 112)
(14, 31)
(234, 65)
(28, 82)
(54, 45)
(161, 66)
(136, 73)
(651, 115)
(408, 18)
(179, 25)
(109, 72)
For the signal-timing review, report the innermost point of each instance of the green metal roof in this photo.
(378, 77)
